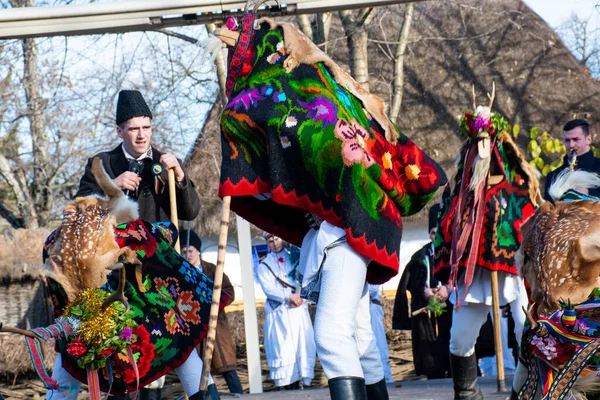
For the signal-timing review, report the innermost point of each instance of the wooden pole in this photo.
(209, 342)
(250, 318)
(497, 333)
(173, 206)
(174, 218)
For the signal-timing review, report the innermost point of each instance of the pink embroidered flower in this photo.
(354, 147)
(280, 259)
(232, 23)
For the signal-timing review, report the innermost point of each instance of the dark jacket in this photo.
(153, 207)
(414, 279)
(430, 335)
(585, 162)
(224, 354)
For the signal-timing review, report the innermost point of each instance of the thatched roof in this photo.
(453, 44)
(21, 254)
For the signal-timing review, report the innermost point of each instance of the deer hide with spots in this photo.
(560, 253)
(85, 243)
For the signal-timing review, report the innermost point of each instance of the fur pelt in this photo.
(560, 254)
(301, 50)
(85, 245)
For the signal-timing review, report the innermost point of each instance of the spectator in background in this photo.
(578, 140)
(224, 361)
(288, 333)
(430, 334)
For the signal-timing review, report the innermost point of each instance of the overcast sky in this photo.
(556, 11)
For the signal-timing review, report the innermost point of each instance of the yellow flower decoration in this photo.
(412, 172)
(387, 160)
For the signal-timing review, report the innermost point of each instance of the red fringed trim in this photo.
(303, 202)
(246, 188)
(243, 188)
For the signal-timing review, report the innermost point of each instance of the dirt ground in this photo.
(28, 386)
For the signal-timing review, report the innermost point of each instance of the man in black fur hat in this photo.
(140, 169)
(430, 334)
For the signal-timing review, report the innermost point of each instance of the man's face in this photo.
(192, 255)
(432, 232)
(275, 243)
(576, 141)
(136, 134)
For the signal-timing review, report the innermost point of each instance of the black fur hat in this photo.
(131, 104)
(194, 239)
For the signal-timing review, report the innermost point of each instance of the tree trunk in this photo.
(357, 39)
(40, 193)
(305, 25)
(399, 63)
(316, 30)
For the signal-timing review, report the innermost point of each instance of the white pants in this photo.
(488, 365)
(467, 322)
(345, 341)
(189, 374)
(381, 340)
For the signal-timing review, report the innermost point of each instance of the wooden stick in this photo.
(23, 332)
(173, 206)
(497, 332)
(209, 342)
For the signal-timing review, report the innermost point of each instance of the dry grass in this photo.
(21, 254)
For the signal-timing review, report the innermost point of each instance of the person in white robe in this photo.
(288, 331)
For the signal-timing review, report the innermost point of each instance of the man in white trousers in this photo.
(378, 326)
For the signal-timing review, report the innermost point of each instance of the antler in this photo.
(17, 330)
(474, 99)
(119, 294)
(493, 94)
(260, 3)
(539, 330)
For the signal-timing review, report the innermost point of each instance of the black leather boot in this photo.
(378, 391)
(211, 394)
(464, 376)
(347, 388)
(514, 395)
(150, 394)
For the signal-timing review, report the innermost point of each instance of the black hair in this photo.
(578, 123)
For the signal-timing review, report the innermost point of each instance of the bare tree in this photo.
(57, 101)
(355, 27)
(398, 88)
(318, 29)
(583, 39)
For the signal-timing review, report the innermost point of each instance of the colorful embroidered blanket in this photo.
(563, 347)
(172, 314)
(300, 142)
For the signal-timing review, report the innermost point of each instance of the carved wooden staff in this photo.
(494, 282)
(173, 205)
(174, 217)
(209, 342)
(497, 333)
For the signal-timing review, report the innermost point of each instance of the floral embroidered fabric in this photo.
(311, 144)
(172, 315)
